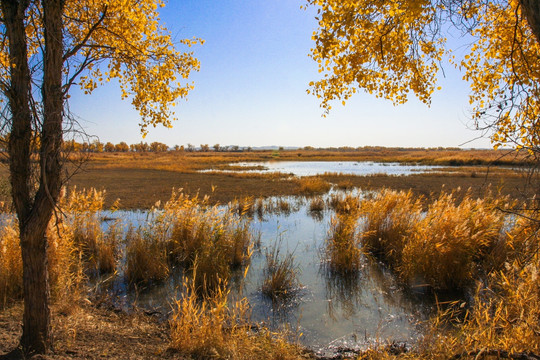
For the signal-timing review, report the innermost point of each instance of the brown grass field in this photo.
(139, 180)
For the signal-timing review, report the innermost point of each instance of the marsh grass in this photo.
(316, 204)
(388, 217)
(446, 247)
(214, 326)
(345, 203)
(342, 249)
(146, 258)
(280, 274)
(186, 232)
(310, 185)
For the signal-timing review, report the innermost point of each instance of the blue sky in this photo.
(251, 90)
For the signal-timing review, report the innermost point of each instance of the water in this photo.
(330, 312)
(310, 168)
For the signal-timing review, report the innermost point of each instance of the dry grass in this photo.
(10, 264)
(146, 257)
(342, 247)
(388, 217)
(216, 327)
(215, 240)
(311, 185)
(316, 204)
(280, 274)
(445, 247)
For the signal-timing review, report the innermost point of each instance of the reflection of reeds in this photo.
(280, 274)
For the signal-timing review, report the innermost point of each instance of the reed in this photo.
(216, 239)
(216, 327)
(389, 216)
(445, 247)
(146, 257)
(280, 274)
(316, 204)
(311, 185)
(342, 246)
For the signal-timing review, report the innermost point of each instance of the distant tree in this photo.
(205, 147)
(176, 147)
(190, 147)
(235, 148)
(157, 146)
(216, 147)
(109, 147)
(121, 147)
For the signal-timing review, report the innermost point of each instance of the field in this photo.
(141, 179)
(419, 226)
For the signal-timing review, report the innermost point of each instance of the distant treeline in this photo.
(97, 146)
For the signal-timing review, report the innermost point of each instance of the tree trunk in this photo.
(531, 10)
(35, 213)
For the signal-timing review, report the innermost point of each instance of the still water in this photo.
(310, 168)
(329, 311)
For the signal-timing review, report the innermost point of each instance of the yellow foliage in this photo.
(128, 42)
(391, 48)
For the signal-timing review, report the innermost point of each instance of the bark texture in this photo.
(531, 10)
(34, 212)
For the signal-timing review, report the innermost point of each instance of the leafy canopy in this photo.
(113, 39)
(391, 48)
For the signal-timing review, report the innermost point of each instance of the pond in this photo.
(329, 311)
(310, 168)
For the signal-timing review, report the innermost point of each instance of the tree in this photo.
(122, 146)
(216, 147)
(47, 47)
(389, 48)
(109, 147)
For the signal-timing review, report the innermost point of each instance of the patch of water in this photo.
(310, 168)
(329, 311)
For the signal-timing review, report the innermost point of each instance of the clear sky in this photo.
(251, 90)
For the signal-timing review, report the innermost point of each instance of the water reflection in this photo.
(329, 308)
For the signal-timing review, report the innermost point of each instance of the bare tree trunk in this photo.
(35, 214)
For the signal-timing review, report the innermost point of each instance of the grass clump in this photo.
(446, 247)
(280, 274)
(316, 204)
(146, 257)
(313, 185)
(215, 327)
(388, 218)
(342, 245)
(218, 240)
(345, 204)
(99, 250)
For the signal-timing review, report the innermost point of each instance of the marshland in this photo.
(275, 265)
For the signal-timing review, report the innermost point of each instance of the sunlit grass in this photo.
(280, 274)
(313, 185)
(215, 326)
(342, 249)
